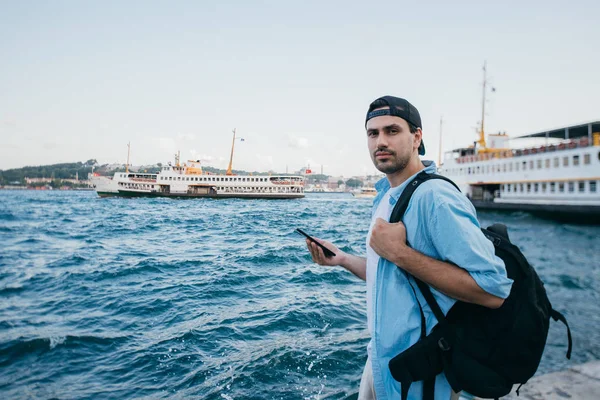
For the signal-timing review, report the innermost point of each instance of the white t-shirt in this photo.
(384, 210)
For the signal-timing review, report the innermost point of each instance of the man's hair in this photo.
(411, 127)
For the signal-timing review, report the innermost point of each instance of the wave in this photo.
(22, 347)
(8, 216)
(11, 290)
(30, 241)
(68, 261)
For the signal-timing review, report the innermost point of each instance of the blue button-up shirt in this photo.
(440, 223)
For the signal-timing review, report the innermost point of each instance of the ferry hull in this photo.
(586, 214)
(275, 196)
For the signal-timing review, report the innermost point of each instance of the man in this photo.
(447, 250)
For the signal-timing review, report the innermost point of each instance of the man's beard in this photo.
(393, 165)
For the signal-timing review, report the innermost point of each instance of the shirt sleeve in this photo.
(458, 239)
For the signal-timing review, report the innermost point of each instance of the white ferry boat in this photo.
(188, 180)
(559, 178)
(366, 193)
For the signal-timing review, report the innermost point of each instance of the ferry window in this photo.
(576, 160)
(504, 167)
(528, 187)
(547, 163)
(586, 159)
(531, 164)
(592, 186)
(582, 186)
(524, 165)
(544, 185)
(539, 164)
(510, 167)
(552, 187)
(565, 161)
(498, 168)
(561, 187)
(536, 187)
(170, 178)
(469, 171)
(508, 188)
(516, 166)
(555, 162)
(521, 187)
(571, 186)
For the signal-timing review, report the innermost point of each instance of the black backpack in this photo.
(482, 351)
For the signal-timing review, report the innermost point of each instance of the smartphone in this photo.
(328, 253)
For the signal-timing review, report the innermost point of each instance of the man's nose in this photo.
(382, 141)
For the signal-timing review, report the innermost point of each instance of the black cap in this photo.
(398, 108)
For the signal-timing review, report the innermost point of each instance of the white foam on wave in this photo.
(56, 340)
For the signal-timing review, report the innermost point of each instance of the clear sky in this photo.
(80, 79)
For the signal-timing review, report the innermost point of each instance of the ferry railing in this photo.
(564, 145)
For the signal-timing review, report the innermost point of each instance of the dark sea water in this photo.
(218, 299)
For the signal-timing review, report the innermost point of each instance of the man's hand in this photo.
(356, 265)
(388, 240)
(318, 255)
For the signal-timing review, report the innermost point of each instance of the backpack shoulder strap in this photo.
(559, 317)
(398, 215)
(402, 204)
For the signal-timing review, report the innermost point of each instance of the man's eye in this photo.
(394, 131)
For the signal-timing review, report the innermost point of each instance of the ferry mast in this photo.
(229, 172)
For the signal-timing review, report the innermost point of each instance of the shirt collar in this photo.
(383, 185)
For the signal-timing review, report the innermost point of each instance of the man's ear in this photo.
(419, 135)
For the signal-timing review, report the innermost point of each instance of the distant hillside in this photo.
(55, 171)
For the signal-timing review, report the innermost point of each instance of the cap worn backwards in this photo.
(398, 108)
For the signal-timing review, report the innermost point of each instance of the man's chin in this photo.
(386, 168)
(390, 166)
